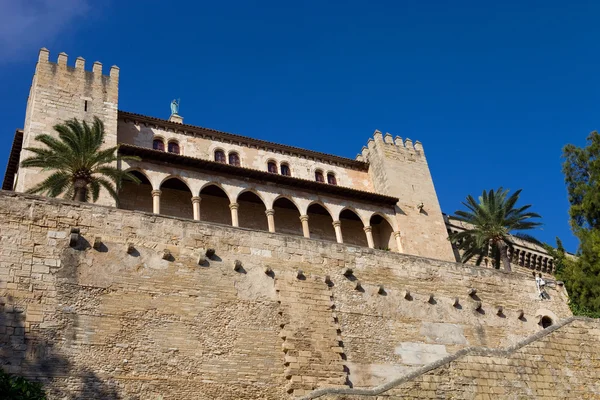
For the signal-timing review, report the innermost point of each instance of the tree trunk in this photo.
(503, 249)
(80, 194)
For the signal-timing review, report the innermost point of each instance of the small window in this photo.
(234, 159)
(319, 176)
(220, 156)
(331, 179)
(546, 321)
(272, 167)
(173, 147)
(285, 170)
(158, 144)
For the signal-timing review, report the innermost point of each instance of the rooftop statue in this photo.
(175, 106)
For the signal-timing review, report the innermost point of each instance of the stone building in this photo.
(242, 269)
(384, 199)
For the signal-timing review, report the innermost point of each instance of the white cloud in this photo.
(27, 25)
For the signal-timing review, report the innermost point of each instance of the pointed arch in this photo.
(320, 222)
(287, 216)
(214, 204)
(352, 227)
(255, 192)
(177, 177)
(251, 210)
(176, 197)
(383, 232)
(136, 197)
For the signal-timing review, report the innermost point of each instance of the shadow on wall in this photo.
(32, 353)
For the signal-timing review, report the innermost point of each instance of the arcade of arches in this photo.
(248, 210)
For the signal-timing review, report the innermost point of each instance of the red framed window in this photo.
(272, 167)
(158, 144)
(173, 147)
(234, 159)
(285, 170)
(220, 156)
(319, 176)
(331, 179)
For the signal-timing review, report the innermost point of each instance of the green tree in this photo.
(80, 167)
(18, 388)
(582, 176)
(490, 222)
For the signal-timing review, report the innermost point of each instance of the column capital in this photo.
(234, 206)
(397, 234)
(304, 218)
(156, 193)
(368, 228)
(336, 224)
(270, 212)
(196, 199)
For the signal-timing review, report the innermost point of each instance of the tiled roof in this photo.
(155, 156)
(195, 130)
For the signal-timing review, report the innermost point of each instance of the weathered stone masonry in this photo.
(93, 320)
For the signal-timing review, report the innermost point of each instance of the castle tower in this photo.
(398, 168)
(60, 92)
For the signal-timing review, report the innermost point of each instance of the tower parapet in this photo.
(399, 168)
(60, 92)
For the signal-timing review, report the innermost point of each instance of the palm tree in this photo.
(489, 224)
(80, 167)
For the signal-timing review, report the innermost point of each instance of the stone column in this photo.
(156, 201)
(397, 235)
(271, 219)
(305, 230)
(234, 214)
(337, 225)
(369, 233)
(196, 205)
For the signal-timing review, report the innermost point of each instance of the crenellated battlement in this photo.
(388, 141)
(62, 61)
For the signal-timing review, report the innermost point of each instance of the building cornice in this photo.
(191, 163)
(12, 165)
(243, 140)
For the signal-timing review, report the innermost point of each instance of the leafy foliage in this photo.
(81, 168)
(582, 274)
(490, 221)
(18, 388)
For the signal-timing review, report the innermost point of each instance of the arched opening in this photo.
(272, 167)
(331, 179)
(320, 223)
(383, 233)
(251, 212)
(287, 217)
(546, 321)
(158, 144)
(220, 156)
(173, 147)
(136, 197)
(176, 199)
(285, 170)
(234, 159)
(214, 206)
(319, 176)
(352, 228)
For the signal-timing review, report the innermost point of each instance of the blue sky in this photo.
(494, 90)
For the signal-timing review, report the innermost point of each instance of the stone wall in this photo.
(562, 362)
(98, 322)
